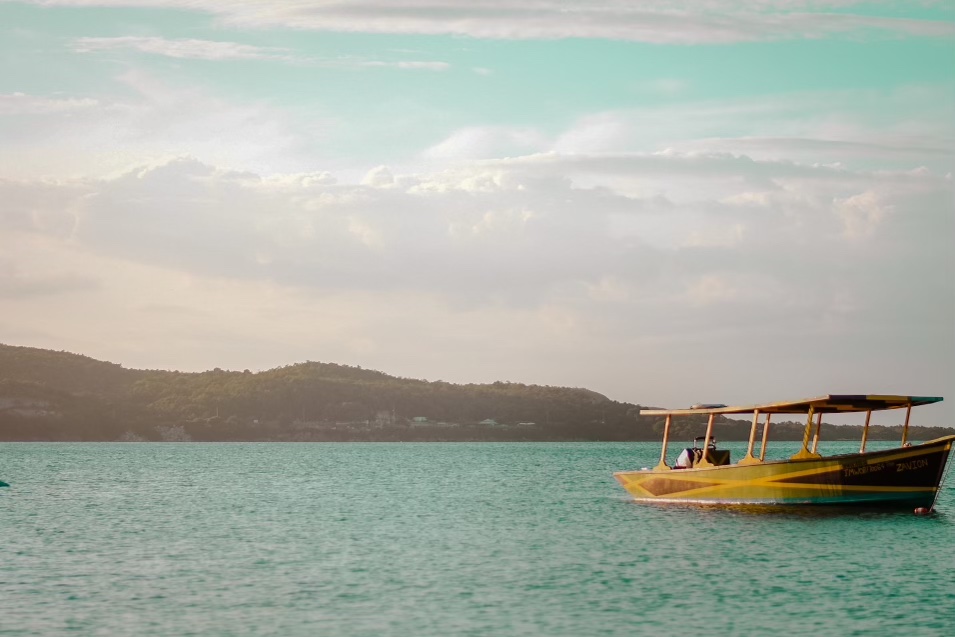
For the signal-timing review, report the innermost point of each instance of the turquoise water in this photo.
(434, 539)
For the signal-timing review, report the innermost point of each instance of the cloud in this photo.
(182, 48)
(486, 142)
(910, 149)
(480, 221)
(409, 65)
(862, 214)
(17, 284)
(220, 51)
(380, 177)
(913, 124)
(665, 86)
(22, 104)
(532, 268)
(153, 120)
(661, 22)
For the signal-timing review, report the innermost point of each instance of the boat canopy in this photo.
(828, 404)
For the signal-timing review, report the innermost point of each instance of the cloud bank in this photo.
(542, 250)
(680, 22)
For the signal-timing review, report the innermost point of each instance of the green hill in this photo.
(48, 395)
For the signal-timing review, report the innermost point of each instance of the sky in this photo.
(667, 202)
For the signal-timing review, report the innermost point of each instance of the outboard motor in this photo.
(691, 456)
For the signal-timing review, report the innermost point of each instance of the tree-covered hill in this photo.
(47, 395)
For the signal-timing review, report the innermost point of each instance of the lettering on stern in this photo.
(891, 465)
(918, 463)
(865, 469)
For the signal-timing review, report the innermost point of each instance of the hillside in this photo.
(48, 395)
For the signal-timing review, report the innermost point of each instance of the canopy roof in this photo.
(828, 404)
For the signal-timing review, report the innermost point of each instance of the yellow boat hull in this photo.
(904, 477)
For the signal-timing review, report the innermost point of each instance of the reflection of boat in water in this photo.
(904, 477)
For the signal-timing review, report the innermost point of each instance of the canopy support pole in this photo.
(706, 443)
(748, 458)
(804, 453)
(762, 450)
(663, 466)
(905, 427)
(815, 438)
(865, 430)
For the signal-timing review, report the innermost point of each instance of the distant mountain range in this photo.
(50, 395)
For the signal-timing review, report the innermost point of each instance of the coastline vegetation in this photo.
(51, 395)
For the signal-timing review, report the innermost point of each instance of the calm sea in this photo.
(434, 539)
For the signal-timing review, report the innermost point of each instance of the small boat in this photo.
(908, 476)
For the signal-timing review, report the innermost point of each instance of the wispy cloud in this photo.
(23, 104)
(408, 65)
(182, 48)
(152, 118)
(221, 51)
(665, 86)
(912, 127)
(680, 22)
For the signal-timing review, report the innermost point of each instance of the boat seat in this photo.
(719, 457)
